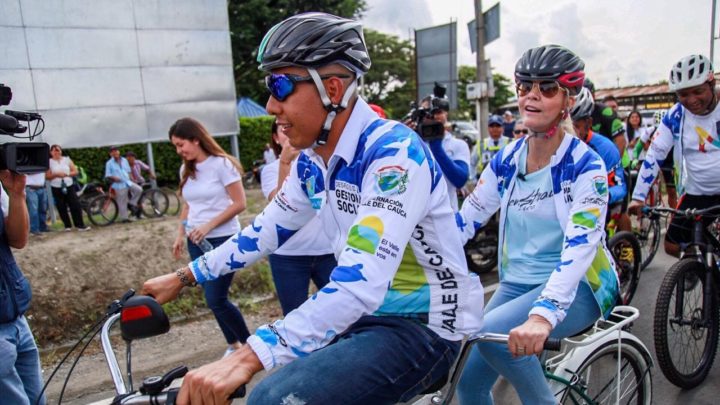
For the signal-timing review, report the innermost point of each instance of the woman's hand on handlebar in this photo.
(163, 288)
(214, 383)
(529, 338)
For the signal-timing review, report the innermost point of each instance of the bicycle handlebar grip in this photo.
(553, 344)
(239, 393)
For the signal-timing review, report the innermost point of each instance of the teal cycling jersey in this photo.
(399, 251)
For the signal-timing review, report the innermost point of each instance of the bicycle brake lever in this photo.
(117, 305)
(170, 376)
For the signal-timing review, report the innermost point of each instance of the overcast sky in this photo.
(636, 41)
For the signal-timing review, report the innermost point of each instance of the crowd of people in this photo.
(368, 211)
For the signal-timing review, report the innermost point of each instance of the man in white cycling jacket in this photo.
(390, 321)
(692, 127)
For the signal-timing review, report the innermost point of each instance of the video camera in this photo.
(422, 115)
(21, 157)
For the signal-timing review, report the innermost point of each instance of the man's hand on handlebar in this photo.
(163, 288)
(635, 206)
(214, 383)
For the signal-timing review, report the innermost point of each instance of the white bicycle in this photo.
(605, 365)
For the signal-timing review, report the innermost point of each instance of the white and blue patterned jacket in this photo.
(580, 193)
(399, 252)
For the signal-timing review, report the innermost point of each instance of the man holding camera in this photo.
(20, 376)
(452, 154)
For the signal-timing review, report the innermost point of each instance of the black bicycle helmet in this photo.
(552, 62)
(314, 40)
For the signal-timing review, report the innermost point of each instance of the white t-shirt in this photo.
(35, 179)
(269, 156)
(313, 238)
(63, 166)
(456, 149)
(206, 195)
(700, 150)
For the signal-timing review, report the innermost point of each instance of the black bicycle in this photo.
(686, 322)
(100, 206)
(481, 252)
(153, 201)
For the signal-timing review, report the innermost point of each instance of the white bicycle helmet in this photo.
(584, 104)
(690, 71)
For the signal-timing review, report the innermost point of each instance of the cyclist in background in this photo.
(581, 115)
(691, 127)
(556, 276)
(607, 124)
(667, 167)
(391, 320)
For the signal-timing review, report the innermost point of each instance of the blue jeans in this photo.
(228, 316)
(507, 309)
(20, 376)
(37, 204)
(378, 360)
(292, 275)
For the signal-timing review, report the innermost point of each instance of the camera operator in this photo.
(452, 154)
(20, 375)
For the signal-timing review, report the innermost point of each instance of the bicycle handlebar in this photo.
(550, 344)
(688, 213)
(166, 397)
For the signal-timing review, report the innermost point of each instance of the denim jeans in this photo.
(378, 360)
(20, 376)
(292, 275)
(507, 309)
(37, 203)
(228, 316)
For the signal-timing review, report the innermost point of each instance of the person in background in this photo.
(136, 168)
(37, 202)
(611, 101)
(269, 154)
(60, 175)
(213, 196)
(491, 145)
(20, 373)
(117, 170)
(520, 129)
(508, 124)
(307, 255)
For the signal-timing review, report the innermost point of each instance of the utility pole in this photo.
(481, 105)
(712, 33)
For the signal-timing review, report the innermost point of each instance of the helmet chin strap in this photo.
(333, 109)
(553, 128)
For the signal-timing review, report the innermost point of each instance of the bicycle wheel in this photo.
(625, 249)
(481, 251)
(649, 237)
(174, 202)
(153, 203)
(598, 379)
(685, 343)
(102, 210)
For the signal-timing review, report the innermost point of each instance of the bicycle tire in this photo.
(102, 210)
(625, 249)
(597, 376)
(649, 238)
(174, 202)
(682, 364)
(481, 252)
(154, 203)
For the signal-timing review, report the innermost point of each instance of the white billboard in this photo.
(107, 72)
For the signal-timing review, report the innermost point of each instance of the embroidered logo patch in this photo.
(600, 185)
(391, 180)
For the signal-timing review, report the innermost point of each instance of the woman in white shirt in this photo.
(306, 255)
(61, 183)
(212, 189)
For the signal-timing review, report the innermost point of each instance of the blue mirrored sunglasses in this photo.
(282, 85)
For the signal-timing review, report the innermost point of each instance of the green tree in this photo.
(392, 73)
(251, 19)
(466, 109)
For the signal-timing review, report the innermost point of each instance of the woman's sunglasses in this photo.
(282, 85)
(548, 89)
(520, 131)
